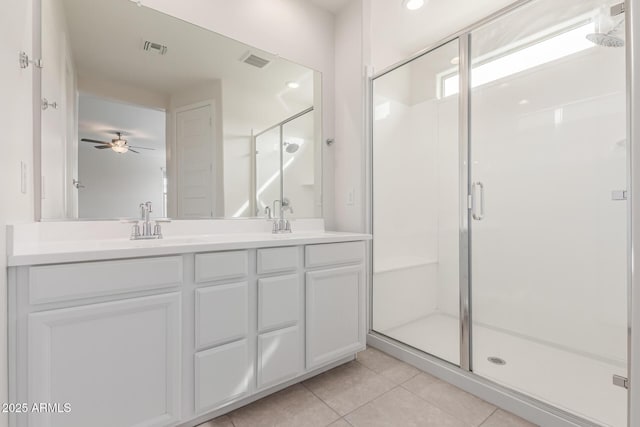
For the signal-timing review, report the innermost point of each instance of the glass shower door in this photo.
(416, 188)
(548, 234)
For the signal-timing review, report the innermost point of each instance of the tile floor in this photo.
(374, 390)
(587, 391)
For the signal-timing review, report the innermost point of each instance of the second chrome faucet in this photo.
(147, 231)
(281, 224)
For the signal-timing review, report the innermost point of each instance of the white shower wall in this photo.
(549, 259)
(406, 219)
(566, 291)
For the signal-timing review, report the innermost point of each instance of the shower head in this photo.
(605, 39)
(291, 147)
(607, 31)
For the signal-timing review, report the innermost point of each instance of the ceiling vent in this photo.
(255, 60)
(152, 47)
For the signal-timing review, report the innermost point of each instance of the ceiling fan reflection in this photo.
(118, 144)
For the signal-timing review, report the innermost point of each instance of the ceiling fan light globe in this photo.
(120, 148)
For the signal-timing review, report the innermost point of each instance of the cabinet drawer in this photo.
(62, 282)
(279, 356)
(334, 253)
(277, 260)
(221, 265)
(221, 375)
(221, 314)
(278, 301)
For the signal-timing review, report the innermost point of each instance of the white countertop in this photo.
(52, 243)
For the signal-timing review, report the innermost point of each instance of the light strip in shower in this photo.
(551, 49)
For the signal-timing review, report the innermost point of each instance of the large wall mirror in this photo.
(140, 106)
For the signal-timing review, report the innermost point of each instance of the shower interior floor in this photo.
(575, 382)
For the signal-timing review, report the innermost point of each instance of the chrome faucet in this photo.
(145, 211)
(148, 231)
(281, 224)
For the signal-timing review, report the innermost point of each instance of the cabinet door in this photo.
(335, 304)
(116, 364)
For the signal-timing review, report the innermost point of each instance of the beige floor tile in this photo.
(348, 386)
(501, 418)
(400, 408)
(464, 406)
(340, 423)
(223, 421)
(389, 367)
(292, 407)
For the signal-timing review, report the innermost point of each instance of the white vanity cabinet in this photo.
(280, 347)
(103, 338)
(223, 367)
(335, 313)
(173, 340)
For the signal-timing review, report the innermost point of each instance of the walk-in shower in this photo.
(509, 255)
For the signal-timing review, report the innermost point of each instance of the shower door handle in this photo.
(478, 216)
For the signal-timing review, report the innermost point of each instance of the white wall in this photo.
(349, 148)
(109, 89)
(16, 123)
(115, 184)
(296, 30)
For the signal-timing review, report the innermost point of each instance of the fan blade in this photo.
(134, 151)
(102, 147)
(140, 148)
(94, 141)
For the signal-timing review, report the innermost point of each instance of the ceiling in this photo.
(107, 38)
(333, 6)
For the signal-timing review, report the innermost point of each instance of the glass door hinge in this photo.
(620, 381)
(25, 61)
(617, 9)
(619, 195)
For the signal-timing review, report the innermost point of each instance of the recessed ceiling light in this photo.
(523, 102)
(413, 4)
(293, 85)
(455, 60)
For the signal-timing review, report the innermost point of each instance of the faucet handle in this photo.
(135, 229)
(157, 229)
